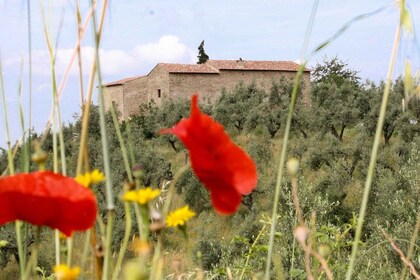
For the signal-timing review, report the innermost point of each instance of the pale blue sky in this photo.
(139, 34)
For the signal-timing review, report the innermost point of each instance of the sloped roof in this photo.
(121, 82)
(254, 65)
(214, 67)
(188, 68)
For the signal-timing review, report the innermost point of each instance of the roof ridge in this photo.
(122, 81)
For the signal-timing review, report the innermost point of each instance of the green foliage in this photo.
(334, 71)
(202, 56)
(332, 139)
(239, 107)
(194, 193)
(336, 98)
(396, 120)
(208, 253)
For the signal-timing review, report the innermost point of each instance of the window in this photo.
(159, 93)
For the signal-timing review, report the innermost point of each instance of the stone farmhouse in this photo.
(170, 80)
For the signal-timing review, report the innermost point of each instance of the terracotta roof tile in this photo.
(188, 68)
(254, 65)
(121, 82)
(213, 67)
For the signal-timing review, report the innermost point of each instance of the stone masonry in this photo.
(169, 80)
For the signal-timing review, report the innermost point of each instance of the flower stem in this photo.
(22, 259)
(57, 247)
(108, 244)
(251, 249)
(374, 154)
(69, 250)
(123, 248)
(411, 248)
(122, 145)
(11, 167)
(285, 142)
(34, 256)
(104, 140)
(85, 252)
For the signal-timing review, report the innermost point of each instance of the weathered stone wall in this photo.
(210, 85)
(184, 85)
(135, 93)
(160, 84)
(114, 94)
(158, 80)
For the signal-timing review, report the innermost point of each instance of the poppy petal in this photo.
(225, 201)
(46, 198)
(224, 168)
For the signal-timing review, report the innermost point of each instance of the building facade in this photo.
(169, 80)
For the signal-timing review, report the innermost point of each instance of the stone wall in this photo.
(184, 85)
(210, 85)
(160, 85)
(114, 94)
(135, 93)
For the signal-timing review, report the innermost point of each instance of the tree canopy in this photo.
(202, 56)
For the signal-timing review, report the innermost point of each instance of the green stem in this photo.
(280, 172)
(34, 256)
(292, 261)
(130, 143)
(251, 249)
(156, 270)
(139, 219)
(122, 145)
(6, 124)
(29, 71)
(48, 38)
(144, 212)
(28, 142)
(285, 142)
(69, 250)
(22, 260)
(374, 154)
(104, 141)
(108, 244)
(411, 248)
(85, 252)
(11, 167)
(171, 189)
(123, 248)
(144, 235)
(102, 120)
(57, 247)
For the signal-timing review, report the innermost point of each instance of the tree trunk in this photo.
(172, 142)
(342, 133)
(388, 134)
(334, 132)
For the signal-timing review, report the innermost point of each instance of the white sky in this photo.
(139, 34)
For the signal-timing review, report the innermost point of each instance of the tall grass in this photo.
(148, 263)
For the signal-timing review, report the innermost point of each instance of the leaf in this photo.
(296, 272)
(405, 19)
(408, 79)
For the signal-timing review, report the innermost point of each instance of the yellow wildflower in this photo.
(90, 178)
(130, 196)
(141, 196)
(179, 217)
(141, 247)
(62, 236)
(63, 272)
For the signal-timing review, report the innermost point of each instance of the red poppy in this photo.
(224, 168)
(49, 199)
